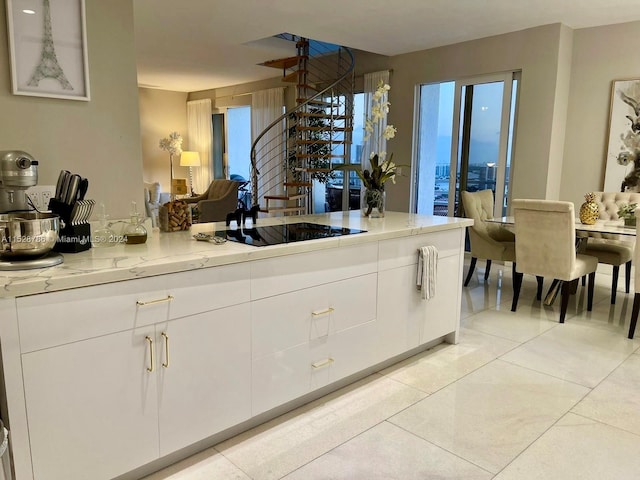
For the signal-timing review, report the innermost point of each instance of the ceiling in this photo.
(196, 45)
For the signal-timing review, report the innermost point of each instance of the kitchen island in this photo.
(123, 359)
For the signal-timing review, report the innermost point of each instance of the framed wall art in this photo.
(48, 48)
(622, 167)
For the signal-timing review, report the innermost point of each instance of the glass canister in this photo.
(134, 232)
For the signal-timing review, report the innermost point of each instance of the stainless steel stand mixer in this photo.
(26, 236)
(18, 171)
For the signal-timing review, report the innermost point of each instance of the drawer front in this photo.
(286, 375)
(404, 251)
(208, 289)
(295, 318)
(274, 276)
(57, 318)
(62, 317)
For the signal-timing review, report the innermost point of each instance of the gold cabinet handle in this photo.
(153, 302)
(150, 368)
(165, 364)
(323, 363)
(317, 313)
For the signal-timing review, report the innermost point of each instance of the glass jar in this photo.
(372, 202)
(134, 233)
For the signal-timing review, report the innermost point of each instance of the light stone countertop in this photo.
(178, 251)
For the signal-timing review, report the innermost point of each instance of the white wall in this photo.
(600, 55)
(99, 139)
(161, 112)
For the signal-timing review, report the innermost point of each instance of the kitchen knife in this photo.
(82, 189)
(65, 188)
(61, 179)
(72, 191)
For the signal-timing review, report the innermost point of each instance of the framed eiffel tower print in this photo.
(48, 48)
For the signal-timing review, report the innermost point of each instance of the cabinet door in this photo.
(206, 386)
(406, 320)
(92, 407)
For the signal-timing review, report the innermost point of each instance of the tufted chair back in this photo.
(609, 202)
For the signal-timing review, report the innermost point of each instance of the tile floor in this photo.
(520, 397)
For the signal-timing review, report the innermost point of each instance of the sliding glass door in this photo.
(464, 137)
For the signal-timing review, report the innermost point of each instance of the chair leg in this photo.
(627, 276)
(472, 267)
(487, 269)
(614, 283)
(566, 292)
(517, 284)
(584, 280)
(634, 314)
(540, 281)
(592, 284)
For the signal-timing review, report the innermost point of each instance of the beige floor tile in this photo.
(207, 465)
(522, 325)
(577, 448)
(444, 364)
(574, 352)
(387, 452)
(491, 415)
(282, 445)
(616, 401)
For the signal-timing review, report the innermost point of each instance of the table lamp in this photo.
(190, 159)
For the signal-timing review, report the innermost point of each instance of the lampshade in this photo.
(190, 159)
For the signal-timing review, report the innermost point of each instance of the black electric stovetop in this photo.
(260, 236)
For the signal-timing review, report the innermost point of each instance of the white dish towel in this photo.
(427, 271)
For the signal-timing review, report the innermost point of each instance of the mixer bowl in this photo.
(28, 234)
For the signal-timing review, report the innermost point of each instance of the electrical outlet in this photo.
(36, 198)
(46, 196)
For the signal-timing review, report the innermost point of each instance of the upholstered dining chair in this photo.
(636, 282)
(546, 246)
(488, 241)
(220, 199)
(611, 249)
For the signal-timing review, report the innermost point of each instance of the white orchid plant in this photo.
(376, 130)
(172, 144)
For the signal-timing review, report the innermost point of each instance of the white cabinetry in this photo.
(92, 407)
(118, 375)
(111, 402)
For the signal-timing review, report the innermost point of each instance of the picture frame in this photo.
(623, 147)
(48, 48)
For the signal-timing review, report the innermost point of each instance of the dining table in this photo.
(605, 227)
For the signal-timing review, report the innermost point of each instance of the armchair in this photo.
(220, 199)
(488, 241)
(153, 198)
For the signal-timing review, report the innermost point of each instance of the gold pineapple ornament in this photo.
(589, 211)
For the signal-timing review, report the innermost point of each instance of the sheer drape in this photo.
(266, 106)
(371, 81)
(199, 132)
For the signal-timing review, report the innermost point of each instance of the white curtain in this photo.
(266, 106)
(371, 81)
(199, 133)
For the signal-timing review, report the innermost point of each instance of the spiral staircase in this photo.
(299, 148)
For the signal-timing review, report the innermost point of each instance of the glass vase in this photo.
(372, 202)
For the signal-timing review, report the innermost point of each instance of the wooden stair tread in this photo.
(306, 85)
(322, 115)
(295, 196)
(284, 63)
(293, 76)
(283, 209)
(297, 184)
(320, 142)
(326, 128)
(318, 155)
(312, 170)
(314, 102)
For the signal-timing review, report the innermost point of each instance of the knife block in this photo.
(71, 238)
